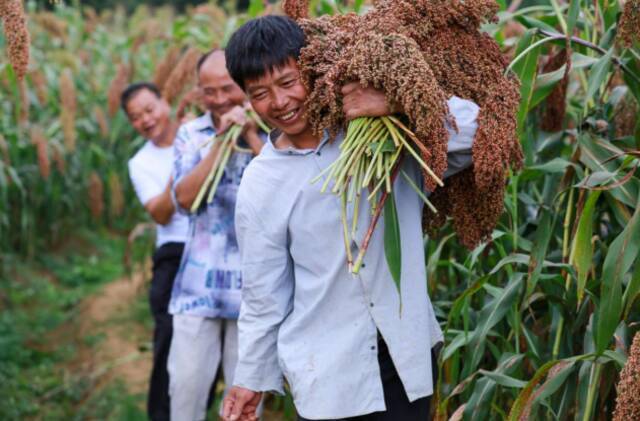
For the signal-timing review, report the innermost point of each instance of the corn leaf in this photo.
(392, 244)
(621, 255)
(582, 249)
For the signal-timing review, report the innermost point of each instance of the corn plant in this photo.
(539, 321)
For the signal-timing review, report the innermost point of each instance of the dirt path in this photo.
(120, 349)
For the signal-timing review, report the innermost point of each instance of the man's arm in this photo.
(157, 203)
(267, 299)
(161, 207)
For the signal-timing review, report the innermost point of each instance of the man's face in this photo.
(219, 92)
(148, 114)
(279, 97)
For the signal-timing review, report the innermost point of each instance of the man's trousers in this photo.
(166, 261)
(198, 346)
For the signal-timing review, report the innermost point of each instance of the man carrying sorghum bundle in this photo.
(341, 341)
(150, 171)
(206, 295)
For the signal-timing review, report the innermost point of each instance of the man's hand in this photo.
(241, 404)
(364, 102)
(237, 115)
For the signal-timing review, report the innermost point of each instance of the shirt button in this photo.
(373, 347)
(371, 304)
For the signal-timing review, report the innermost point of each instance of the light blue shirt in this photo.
(209, 279)
(303, 315)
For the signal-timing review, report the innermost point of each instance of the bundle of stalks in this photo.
(95, 192)
(16, 35)
(101, 120)
(555, 104)
(117, 85)
(420, 52)
(629, 24)
(164, 68)
(228, 142)
(182, 76)
(628, 400)
(116, 196)
(39, 140)
(39, 82)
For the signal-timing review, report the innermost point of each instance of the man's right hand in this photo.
(241, 404)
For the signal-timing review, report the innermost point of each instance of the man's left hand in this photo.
(359, 101)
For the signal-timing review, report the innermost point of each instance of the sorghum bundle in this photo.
(16, 34)
(629, 24)
(228, 144)
(628, 400)
(420, 53)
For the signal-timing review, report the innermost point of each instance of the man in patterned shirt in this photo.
(206, 295)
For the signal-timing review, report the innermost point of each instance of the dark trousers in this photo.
(166, 261)
(395, 398)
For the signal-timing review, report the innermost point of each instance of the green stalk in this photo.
(418, 191)
(207, 181)
(345, 232)
(594, 380)
(220, 170)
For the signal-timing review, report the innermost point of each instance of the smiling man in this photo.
(206, 296)
(150, 172)
(339, 340)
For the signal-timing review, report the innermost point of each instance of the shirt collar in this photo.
(273, 135)
(204, 122)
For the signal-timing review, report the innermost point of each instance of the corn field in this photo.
(538, 322)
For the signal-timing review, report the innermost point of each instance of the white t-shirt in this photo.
(150, 170)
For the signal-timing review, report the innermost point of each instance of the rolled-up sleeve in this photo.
(186, 157)
(465, 113)
(267, 299)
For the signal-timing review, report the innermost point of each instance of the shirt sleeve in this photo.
(144, 184)
(186, 157)
(267, 299)
(465, 113)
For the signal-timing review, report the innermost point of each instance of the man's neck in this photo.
(166, 138)
(306, 140)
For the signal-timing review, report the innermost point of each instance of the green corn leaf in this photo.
(572, 15)
(632, 291)
(526, 70)
(582, 250)
(621, 255)
(392, 244)
(598, 75)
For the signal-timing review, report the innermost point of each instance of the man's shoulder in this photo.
(141, 156)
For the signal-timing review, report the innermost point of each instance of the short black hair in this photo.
(204, 58)
(131, 90)
(261, 45)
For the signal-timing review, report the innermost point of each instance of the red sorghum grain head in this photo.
(421, 52)
(95, 191)
(629, 23)
(628, 400)
(555, 105)
(164, 68)
(39, 140)
(117, 85)
(16, 35)
(182, 76)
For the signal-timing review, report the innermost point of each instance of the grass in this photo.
(38, 299)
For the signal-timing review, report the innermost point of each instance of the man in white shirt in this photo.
(150, 171)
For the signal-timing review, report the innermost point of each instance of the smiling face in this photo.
(278, 97)
(219, 92)
(149, 115)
